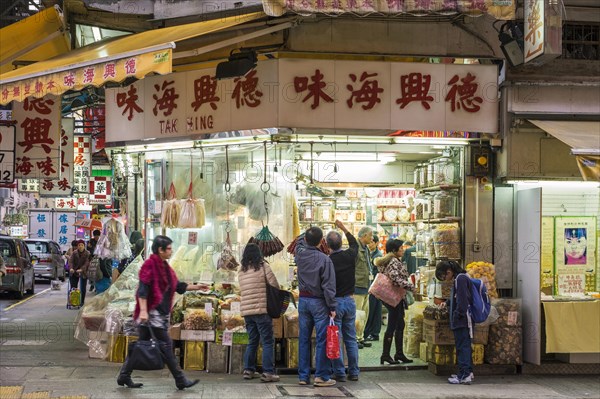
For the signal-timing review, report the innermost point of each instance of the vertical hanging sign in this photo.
(81, 163)
(100, 190)
(40, 224)
(62, 186)
(38, 138)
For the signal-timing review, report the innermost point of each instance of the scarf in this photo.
(154, 274)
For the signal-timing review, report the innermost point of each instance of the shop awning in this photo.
(582, 137)
(35, 38)
(130, 56)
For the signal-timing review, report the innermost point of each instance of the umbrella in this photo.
(90, 224)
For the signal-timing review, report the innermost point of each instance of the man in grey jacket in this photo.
(316, 283)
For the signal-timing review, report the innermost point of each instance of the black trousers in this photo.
(373, 326)
(395, 324)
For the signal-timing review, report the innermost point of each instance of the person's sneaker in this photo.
(353, 378)
(366, 344)
(269, 377)
(319, 382)
(455, 380)
(248, 375)
(472, 376)
(339, 378)
(302, 382)
(360, 345)
(467, 380)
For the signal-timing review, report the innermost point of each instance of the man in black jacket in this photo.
(344, 263)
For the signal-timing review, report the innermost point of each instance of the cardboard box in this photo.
(197, 335)
(194, 355)
(175, 332)
(236, 359)
(290, 328)
(278, 327)
(441, 354)
(437, 332)
(217, 357)
(238, 338)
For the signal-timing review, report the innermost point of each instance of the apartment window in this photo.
(581, 41)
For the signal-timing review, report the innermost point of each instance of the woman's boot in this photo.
(181, 381)
(124, 377)
(387, 346)
(398, 340)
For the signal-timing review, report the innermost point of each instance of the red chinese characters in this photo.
(37, 130)
(79, 160)
(48, 185)
(131, 66)
(315, 89)
(69, 79)
(64, 140)
(88, 75)
(109, 70)
(415, 87)
(16, 91)
(246, 92)
(23, 165)
(46, 167)
(463, 95)
(367, 93)
(39, 87)
(129, 101)
(166, 101)
(205, 90)
(63, 185)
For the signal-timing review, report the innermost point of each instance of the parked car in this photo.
(19, 277)
(46, 256)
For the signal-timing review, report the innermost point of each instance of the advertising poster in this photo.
(547, 255)
(575, 255)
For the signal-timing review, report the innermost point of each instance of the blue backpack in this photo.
(479, 301)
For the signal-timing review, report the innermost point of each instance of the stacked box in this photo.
(291, 348)
(477, 351)
(194, 356)
(236, 359)
(175, 332)
(117, 348)
(216, 358)
(237, 338)
(438, 332)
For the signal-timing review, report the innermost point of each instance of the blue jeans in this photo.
(260, 329)
(312, 313)
(462, 340)
(345, 316)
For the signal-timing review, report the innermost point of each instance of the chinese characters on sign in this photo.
(100, 190)
(575, 255)
(38, 138)
(62, 186)
(534, 29)
(81, 163)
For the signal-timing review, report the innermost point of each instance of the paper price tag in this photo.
(208, 309)
(192, 238)
(236, 307)
(227, 338)
(512, 318)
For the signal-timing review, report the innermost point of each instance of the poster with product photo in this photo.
(575, 255)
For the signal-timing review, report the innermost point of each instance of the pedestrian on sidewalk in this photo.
(459, 321)
(78, 267)
(344, 262)
(316, 283)
(394, 269)
(91, 248)
(373, 326)
(253, 277)
(154, 300)
(362, 271)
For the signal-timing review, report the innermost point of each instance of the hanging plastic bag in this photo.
(333, 340)
(171, 209)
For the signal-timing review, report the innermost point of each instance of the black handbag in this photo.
(277, 300)
(146, 355)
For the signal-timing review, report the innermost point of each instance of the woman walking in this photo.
(254, 276)
(395, 270)
(154, 300)
(459, 320)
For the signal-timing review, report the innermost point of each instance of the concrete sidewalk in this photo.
(39, 358)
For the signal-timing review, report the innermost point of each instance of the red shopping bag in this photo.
(333, 340)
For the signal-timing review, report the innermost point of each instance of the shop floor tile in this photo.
(312, 391)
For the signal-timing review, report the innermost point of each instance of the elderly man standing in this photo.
(361, 291)
(344, 262)
(316, 283)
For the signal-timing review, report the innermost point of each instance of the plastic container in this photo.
(423, 175)
(445, 171)
(444, 205)
(430, 173)
(417, 176)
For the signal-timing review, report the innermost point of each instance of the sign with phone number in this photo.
(7, 154)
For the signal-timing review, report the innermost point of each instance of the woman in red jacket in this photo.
(154, 300)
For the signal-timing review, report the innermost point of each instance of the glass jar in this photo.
(421, 243)
(430, 173)
(445, 171)
(422, 206)
(444, 205)
(423, 175)
(417, 176)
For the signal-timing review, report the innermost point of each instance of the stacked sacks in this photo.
(413, 335)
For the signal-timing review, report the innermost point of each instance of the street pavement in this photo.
(39, 358)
